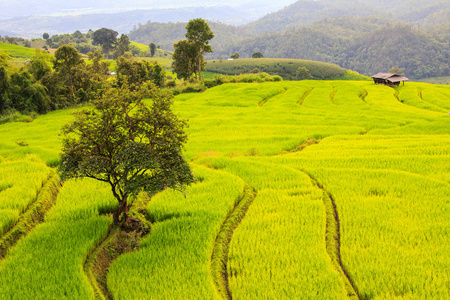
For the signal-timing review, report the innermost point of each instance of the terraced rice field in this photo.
(306, 190)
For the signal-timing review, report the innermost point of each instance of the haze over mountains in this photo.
(31, 18)
(17, 8)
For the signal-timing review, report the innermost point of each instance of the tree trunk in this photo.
(199, 67)
(106, 50)
(121, 210)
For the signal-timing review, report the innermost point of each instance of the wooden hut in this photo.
(389, 79)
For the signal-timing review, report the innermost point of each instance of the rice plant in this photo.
(48, 262)
(173, 262)
(20, 182)
(382, 154)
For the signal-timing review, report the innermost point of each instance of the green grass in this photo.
(383, 157)
(352, 75)
(141, 47)
(287, 214)
(162, 56)
(40, 137)
(391, 193)
(48, 262)
(286, 68)
(208, 75)
(173, 261)
(17, 51)
(20, 182)
(436, 80)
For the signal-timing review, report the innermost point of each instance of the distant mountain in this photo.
(366, 45)
(7, 33)
(306, 12)
(165, 34)
(303, 13)
(417, 52)
(19, 8)
(35, 26)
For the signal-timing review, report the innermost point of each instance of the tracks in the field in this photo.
(363, 95)
(219, 257)
(304, 96)
(263, 101)
(33, 215)
(333, 93)
(333, 240)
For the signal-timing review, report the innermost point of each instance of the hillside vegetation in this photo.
(308, 189)
(17, 51)
(286, 68)
(356, 44)
(307, 12)
(166, 34)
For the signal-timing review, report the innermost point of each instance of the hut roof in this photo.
(390, 77)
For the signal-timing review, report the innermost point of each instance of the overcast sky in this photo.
(14, 8)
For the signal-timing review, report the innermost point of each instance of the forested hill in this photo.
(306, 12)
(358, 44)
(367, 45)
(165, 34)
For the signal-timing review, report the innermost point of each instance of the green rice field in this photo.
(17, 51)
(306, 190)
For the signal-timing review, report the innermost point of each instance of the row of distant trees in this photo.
(104, 39)
(256, 54)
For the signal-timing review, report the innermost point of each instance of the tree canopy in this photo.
(302, 73)
(185, 61)
(105, 37)
(257, 54)
(137, 72)
(199, 33)
(131, 145)
(152, 49)
(123, 45)
(68, 65)
(396, 70)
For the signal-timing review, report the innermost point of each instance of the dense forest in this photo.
(306, 12)
(370, 49)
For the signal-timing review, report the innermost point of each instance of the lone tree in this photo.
(67, 63)
(184, 59)
(302, 73)
(123, 45)
(152, 49)
(395, 70)
(45, 36)
(128, 144)
(199, 33)
(105, 37)
(235, 55)
(257, 55)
